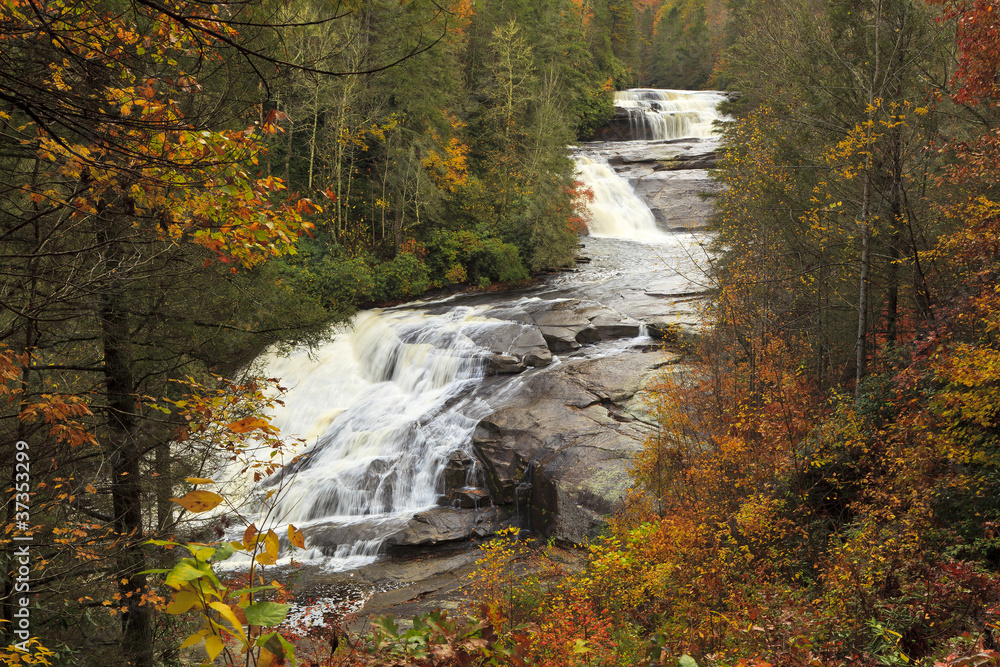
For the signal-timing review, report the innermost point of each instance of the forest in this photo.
(187, 183)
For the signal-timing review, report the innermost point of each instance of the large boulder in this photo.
(445, 524)
(679, 200)
(567, 441)
(568, 324)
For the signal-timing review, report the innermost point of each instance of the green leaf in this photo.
(277, 645)
(686, 661)
(223, 552)
(245, 591)
(181, 573)
(266, 613)
(387, 624)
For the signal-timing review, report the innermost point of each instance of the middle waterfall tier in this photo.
(616, 210)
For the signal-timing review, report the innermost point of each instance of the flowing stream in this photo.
(385, 405)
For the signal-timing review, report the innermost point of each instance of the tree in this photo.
(127, 191)
(852, 132)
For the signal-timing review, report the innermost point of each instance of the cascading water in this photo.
(616, 210)
(381, 407)
(658, 115)
(658, 119)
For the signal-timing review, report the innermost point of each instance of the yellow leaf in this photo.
(295, 537)
(272, 544)
(247, 424)
(227, 613)
(183, 601)
(214, 646)
(192, 640)
(265, 559)
(198, 501)
(198, 480)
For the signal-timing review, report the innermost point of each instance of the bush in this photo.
(498, 262)
(339, 283)
(464, 256)
(402, 277)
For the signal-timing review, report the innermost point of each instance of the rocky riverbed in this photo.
(524, 407)
(569, 364)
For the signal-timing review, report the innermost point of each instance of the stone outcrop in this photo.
(445, 524)
(680, 200)
(529, 332)
(554, 458)
(567, 440)
(618, 128)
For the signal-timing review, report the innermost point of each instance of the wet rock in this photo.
(610, 326)
(566, 325)
(445, 524)
(502, 467)
(539, 358)
(514, 341)
(457, 472)
(679, 200)
(618, 128)
(568, 440)
(535, 330)
(560, 339)
(505, 364)
(707, 160)
(468, 498)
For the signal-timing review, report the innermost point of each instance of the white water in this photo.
(655, 116)
(381, 407)
(616, 210)
(658, 115)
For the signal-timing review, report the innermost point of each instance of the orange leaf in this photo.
(247, 424)
(250, 536)
(295, 537)
(198, 480)
(198, 501)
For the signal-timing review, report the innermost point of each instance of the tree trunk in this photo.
(123, 450)
(862, 339)
(164, 486)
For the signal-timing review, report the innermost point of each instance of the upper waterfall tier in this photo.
(646, 114)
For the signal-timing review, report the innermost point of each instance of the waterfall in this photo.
(657, 115)
(384, 406)
(381, 407)
(616, 209)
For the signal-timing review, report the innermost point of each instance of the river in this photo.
(438, 421)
